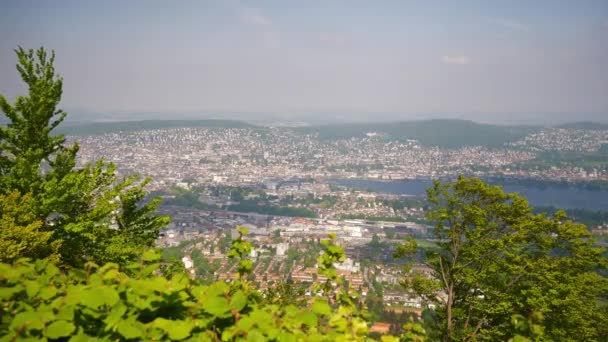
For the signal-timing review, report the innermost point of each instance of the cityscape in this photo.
(246, 156)
(279, 183)
(345, 170)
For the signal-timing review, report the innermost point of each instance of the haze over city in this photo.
(336, 61)
(315, 170)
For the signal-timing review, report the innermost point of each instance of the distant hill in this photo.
(442, 133)
(131, 126)
(586, 125)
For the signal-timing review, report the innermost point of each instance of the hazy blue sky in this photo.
(487, 60)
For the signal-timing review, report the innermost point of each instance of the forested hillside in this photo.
(130, 126)
(585, 125)
(442, 133)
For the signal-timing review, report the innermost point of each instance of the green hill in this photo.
(131, 126)
(586, 125)
(442, 133)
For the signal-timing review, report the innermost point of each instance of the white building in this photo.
(282, 248)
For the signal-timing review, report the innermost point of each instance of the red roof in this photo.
(380, 327)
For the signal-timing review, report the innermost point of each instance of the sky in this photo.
(500, 61)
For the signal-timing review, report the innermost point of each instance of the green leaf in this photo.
(66, 313)
(285, 337)
(178, 330)
(30, 339)
(246, 323)
(238, 301)
(162, 323)
(309, 319)
(93, 298)
(217, 306)
(74, 294)
(51, 270)
(149, 269)
(48, 292)
(8, 292)
(321, 307)
(28, 319)
(256, 335)
(110, 295)
(31, 288)
(219, 288)
(111, 274)
(245, 266)
(128, 330)
(151, 255)
(59, 329)
(82, 337)
(115, 316)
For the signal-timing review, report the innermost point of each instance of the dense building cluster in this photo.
(249, 155)
(283, 168)
(286, 249)
(561, 139)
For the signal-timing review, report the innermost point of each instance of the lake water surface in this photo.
(556, 196)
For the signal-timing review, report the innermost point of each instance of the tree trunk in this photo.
(449, 323)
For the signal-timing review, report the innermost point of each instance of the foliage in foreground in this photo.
(49, 208)
(499, 269)
(113, 303)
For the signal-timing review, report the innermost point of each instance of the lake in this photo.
(556, 196)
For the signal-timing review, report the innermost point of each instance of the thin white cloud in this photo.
(456, 59)
(509, 23)
(262, 24)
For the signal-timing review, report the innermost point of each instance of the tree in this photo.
(375, 245)
(21, 235)
(83, 214)
(276, 236)
(26, 142)
(389, 232)
(496, 259)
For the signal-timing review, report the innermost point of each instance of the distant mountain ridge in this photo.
(449, 133)
(585, 125)
(131, 126)
(446, 133)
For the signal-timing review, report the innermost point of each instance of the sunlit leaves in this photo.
(105, 303)
(240, 249)
(496, 259)
(321, 307)
(110, 305)
(48, 207)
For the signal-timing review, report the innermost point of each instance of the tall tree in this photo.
(496, 261)
(21, 234)
(86, 213)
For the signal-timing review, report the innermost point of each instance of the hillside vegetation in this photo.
(133, 302)
(131, 126)
(441, 133)
(585, 125)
